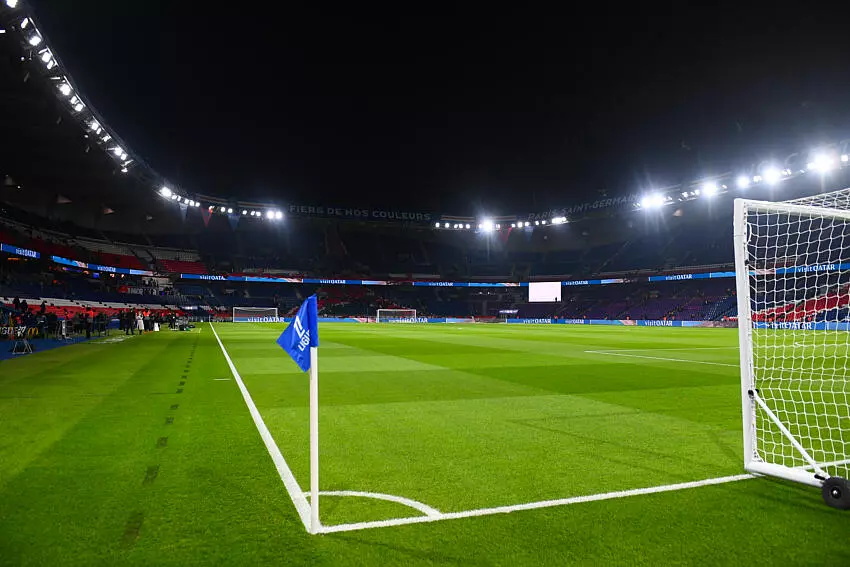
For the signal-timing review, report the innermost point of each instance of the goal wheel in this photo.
(836, 493)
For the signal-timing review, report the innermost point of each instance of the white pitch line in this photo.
(660, 358)
(415, 504)
(666, 349)
(533, 505)
(295, 492)
(228, 379)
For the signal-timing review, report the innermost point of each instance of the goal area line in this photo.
(300, 501)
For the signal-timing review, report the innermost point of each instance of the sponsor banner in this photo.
(814, 268)
(360, 213)
(406, 320)
(99, 267)
(467, 284)
(19, 251)
(624, 322)
(18, 332)
(597, 282)
(703, 276)
(803, 326)
(289, 319)
(432, 283)
(260, 320)
(460, 320)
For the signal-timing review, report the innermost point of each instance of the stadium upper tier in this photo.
(333, 249)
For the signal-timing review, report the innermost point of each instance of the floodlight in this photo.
(229, 211)
(743, 182)
(709, 189)
(24, 23)
(436, 225)
(197, 203)
(117, 150)
(543, 222)
(772, 175)
(486, 225)
(123, 170)
(269, 214)
(222, 209)
(559, 220)
(12, 3)
(35, 40)
(446, 225)
(845, 158)
(821, 163)
(467, 225)
(498, 226)
(79, 107)
(211, 208)
(527, 223)
(244, 212)
(513, 225)
(50, 65)
(165, 191)
(652, 201)
(106, 137)
(537, 223)
(174, 197)
(65, 89)
(46, 56)
(278, 215)
(94, 124)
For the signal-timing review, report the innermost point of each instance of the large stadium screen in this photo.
(542, 292)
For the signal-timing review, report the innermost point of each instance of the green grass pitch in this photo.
(143, 452)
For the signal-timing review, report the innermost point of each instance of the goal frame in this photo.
(812, 475)
(378, 315)
(275, 318)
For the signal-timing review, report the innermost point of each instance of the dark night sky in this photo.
(427, 106)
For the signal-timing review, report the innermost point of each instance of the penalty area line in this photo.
(533, 505)
(609, 353)
(295, 492)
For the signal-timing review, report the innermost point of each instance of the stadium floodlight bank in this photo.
(396, 316)
(792, 264)
(255, 315)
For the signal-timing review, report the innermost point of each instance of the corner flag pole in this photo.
(314, 440)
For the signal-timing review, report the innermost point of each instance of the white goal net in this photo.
(793, 274)
(396, 316)
(255, 314)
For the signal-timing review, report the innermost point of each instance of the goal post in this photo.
(255, 315)
(792, 267)
(396, 316)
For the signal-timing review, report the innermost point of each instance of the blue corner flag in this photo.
(301, 334)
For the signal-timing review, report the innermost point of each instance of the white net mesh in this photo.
(799, 285)
(396, 316)
(254, 314)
